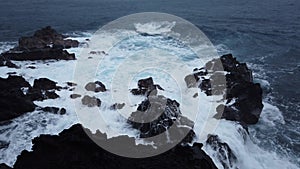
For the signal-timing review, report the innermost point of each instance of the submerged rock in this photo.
(74, 149)
(117, 106)
(224, 152)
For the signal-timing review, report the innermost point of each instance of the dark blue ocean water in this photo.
(263, 33)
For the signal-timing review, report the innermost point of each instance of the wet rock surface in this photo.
(74, 149)
(234, 81)
(117, 106)
(13, 102)
(224, 152)
(17, 95)
(45, 44)
(156, 114)
(74, 96)
(95, 87)
(54, 110)
(146, 87)
(91, 101)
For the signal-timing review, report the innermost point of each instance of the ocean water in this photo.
(265, 34)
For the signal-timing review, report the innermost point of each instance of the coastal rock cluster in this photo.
(154, 116)
(72, 148)
(17, 95)
(43, 45)
(234, 81)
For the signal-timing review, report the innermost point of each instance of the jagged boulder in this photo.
(157, 114)
(13, 102)
(42, 89)
(234, 81)
(17, 95)
(146, 87)
(43, 45)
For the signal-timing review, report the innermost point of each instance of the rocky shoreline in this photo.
(73, 147)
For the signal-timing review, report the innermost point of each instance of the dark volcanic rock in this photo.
(146, 87)
(13, 102)
(95, 86)
(17, 96)
(3, 144)
(74, 96)
(39, 54)
(117, 106)
(157, 114)
(45, 37)
(224, 152)
(90, 101)
(71, 84)
(42, 89)
(74, 149)
(44, 84)
(244, 98)
(6, 62)
(54, 110)
(43, 45)
(4, 166)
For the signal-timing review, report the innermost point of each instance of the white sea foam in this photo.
(155, 28)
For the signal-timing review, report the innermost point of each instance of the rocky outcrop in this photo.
(146, 87)
(74, 149)
(17, 95)
(13, 102)
(234, 81)
(43, 89)
(43, 45)
(156, 114)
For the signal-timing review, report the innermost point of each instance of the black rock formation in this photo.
(234, 81)
(17, 95)
(13, 102)
(156, 114)
(74, 149)
(43, 45)
(146, 87)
